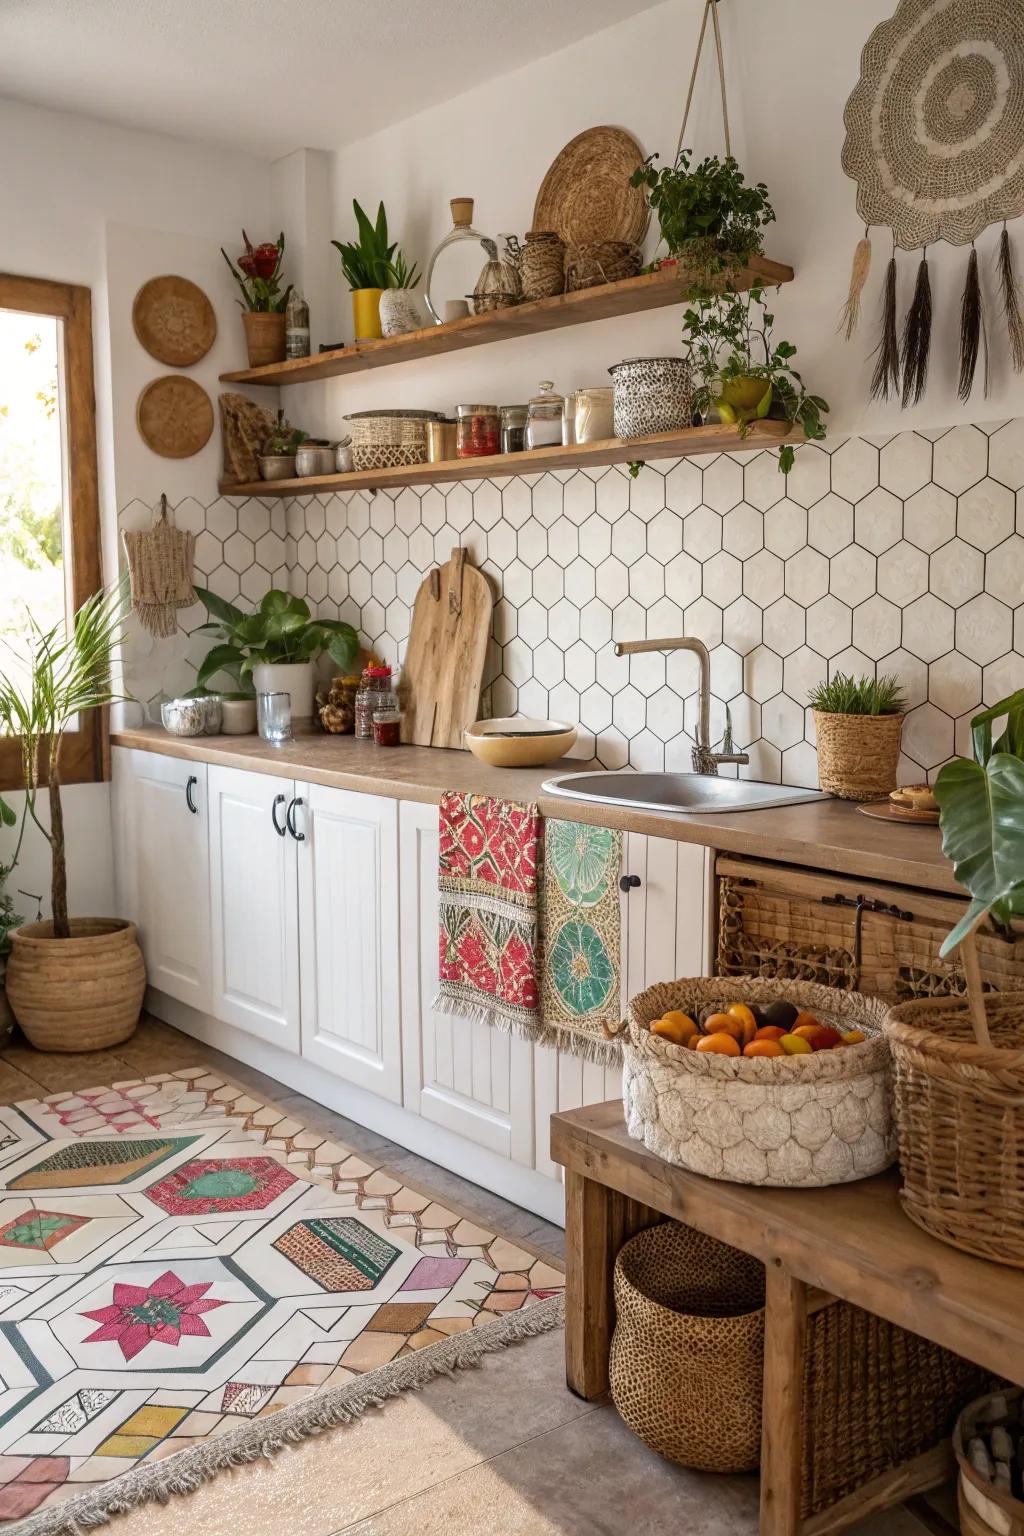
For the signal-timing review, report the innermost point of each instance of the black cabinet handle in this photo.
(300, 837)
(189, 786)
(628, 883)
(278, 800)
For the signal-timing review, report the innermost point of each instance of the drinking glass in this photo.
(274, 711)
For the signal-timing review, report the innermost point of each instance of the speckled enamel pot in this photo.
(795, 1121)
(651, 394)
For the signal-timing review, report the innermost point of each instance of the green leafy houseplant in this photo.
(981, 817)
(367, 263)
(740, 371)
(711, 204)
(280, 631)
(284, 439)
(400, 274)
(845, 695)
(258, 275)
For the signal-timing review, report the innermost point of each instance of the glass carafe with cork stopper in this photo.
(460, 268)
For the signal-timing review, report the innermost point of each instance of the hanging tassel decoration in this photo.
(849, 315)
(886, 378)
(917, 337)
(971, 326)
(1011, 301)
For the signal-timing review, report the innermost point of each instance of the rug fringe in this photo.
(187, 1471)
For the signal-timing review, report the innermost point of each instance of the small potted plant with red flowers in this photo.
(263, 301)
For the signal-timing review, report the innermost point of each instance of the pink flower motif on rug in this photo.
(159, 1313)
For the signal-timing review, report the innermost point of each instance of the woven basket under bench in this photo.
(858, 935)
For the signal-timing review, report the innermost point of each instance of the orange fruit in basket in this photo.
(683, 1020)
(722, 1023)
(677, 1028)
(719, 1044)
(770, 1032)
(807, 1031)
(803, 1018)
(763, 1048)
(795, 1045)
(853, 1036)
(747, 1020)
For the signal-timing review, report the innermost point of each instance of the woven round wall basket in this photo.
(959, 1110)
(857, 754)
(685, 1364)
(796, 1121)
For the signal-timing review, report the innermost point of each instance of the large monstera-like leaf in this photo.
(981, 815)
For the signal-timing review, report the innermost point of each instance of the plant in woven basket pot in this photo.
(74, 983)
(710, 218)
(367, 266)
(263, 301)
(858, 722)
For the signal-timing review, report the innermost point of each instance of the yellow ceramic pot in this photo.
(366, 313)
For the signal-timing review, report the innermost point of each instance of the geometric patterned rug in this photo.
(190, 1278)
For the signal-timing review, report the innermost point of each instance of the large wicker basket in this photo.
(795, 1121)
(686, 1370)
(960, 1119)
(857, 754)
(389, 439)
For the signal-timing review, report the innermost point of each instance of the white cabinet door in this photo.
(348, 926)
(664, 935)
(163, 869)
(466, 1077)
(254, 905)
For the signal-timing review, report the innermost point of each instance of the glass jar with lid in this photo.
(544, 417)
(513, 428)
(478, 431)
(376, 691)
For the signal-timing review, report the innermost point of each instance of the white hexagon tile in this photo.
(899, 555)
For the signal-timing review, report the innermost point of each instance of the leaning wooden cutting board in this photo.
(444, 659)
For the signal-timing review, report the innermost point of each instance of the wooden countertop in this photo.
(828, 835)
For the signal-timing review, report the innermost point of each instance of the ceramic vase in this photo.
(400, 311)
(294, 677)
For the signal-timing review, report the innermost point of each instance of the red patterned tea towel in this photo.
(488, 875)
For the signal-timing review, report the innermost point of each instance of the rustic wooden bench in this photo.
(850, 1241)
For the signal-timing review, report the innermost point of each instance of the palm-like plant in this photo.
(368, 263)
(69, 672)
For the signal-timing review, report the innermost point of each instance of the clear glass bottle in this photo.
(544, 417)
(513, 428)
(461, 268)
(296, 326)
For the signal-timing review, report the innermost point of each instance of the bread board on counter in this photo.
(444, 658)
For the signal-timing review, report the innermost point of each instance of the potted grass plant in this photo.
(858, 722)
(367, 267)
(73, 983)
(263, 301)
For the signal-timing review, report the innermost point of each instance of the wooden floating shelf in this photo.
(631, 296)
(612, 450)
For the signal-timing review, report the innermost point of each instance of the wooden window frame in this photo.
(85, 757)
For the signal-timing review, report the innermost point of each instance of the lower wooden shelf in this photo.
(613, 450)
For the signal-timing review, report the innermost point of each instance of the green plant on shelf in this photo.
(258, 275)
(400, 273)
(846, 695)
(370, 261)
(284, 439)
(709, 214)
(281, 629)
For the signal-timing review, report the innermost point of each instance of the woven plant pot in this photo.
(685, 1362)
(542, 265)
(78, 994)
(857, 754)
(959, 1110)
(985, 1510)
(797, 1121)
(264, 337)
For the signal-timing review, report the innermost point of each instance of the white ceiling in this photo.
(271, 76)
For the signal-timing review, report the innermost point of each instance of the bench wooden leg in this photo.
(593, 1236)
(785, 1329)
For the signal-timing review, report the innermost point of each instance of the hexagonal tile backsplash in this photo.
(901, 554)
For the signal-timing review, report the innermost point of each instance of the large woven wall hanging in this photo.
(935, 143)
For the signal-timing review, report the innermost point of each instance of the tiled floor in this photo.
(505, 1450)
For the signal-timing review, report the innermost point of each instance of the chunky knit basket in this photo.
(857, 754)
(798, 1121)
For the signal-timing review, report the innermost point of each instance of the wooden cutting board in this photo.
(444, 659)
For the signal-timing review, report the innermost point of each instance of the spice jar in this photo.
(544, 417)
(479, 431)
(376, 691)
(513, 428)
(387, 727)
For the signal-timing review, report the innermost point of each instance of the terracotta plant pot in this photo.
(78, 994)
(264, 337)
(857, 754)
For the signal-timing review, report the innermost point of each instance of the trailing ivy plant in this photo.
(711, 202)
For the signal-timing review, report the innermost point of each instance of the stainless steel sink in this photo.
(691, 793)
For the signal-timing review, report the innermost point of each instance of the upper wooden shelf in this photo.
(613, 450)
(651, 291)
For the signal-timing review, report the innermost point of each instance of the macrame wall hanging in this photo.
(160, 564)
(935, 143)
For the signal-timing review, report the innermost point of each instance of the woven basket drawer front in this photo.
(800, 925)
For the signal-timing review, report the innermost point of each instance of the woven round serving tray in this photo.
(174, 416)
(174, 320)
(586, 196)
(799, 1121)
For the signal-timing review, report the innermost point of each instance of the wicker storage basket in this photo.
(606, 261)
(857, 754)
(960, 1120)
(686, 1370)
(985, 1510)
(794, 1121)
(389, 439)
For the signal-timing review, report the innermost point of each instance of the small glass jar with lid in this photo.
(376, 691)
(544, 417)
(513, 428)
(478, 431)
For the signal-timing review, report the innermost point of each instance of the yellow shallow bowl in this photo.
(490, 741)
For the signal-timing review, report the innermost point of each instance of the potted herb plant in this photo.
(366, 265)
(740, 371)
(273, 649)
(74, 984)
(858, 722)
(710, 218)
(277, 455)
(258, 275)
(400, 309)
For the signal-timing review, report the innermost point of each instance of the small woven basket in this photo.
(542, 265)
(959, 1105)
(389, 440)
(605, 261)
(799, 1121)
(857, 754)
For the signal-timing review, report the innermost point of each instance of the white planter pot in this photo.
(294, 677)
(400, 311)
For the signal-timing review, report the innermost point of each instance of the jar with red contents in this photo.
(376, 691)
(478, 431)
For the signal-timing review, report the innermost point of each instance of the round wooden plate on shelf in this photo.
(586, 196)
(885, 810)
(174, 321)
(174, 416)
